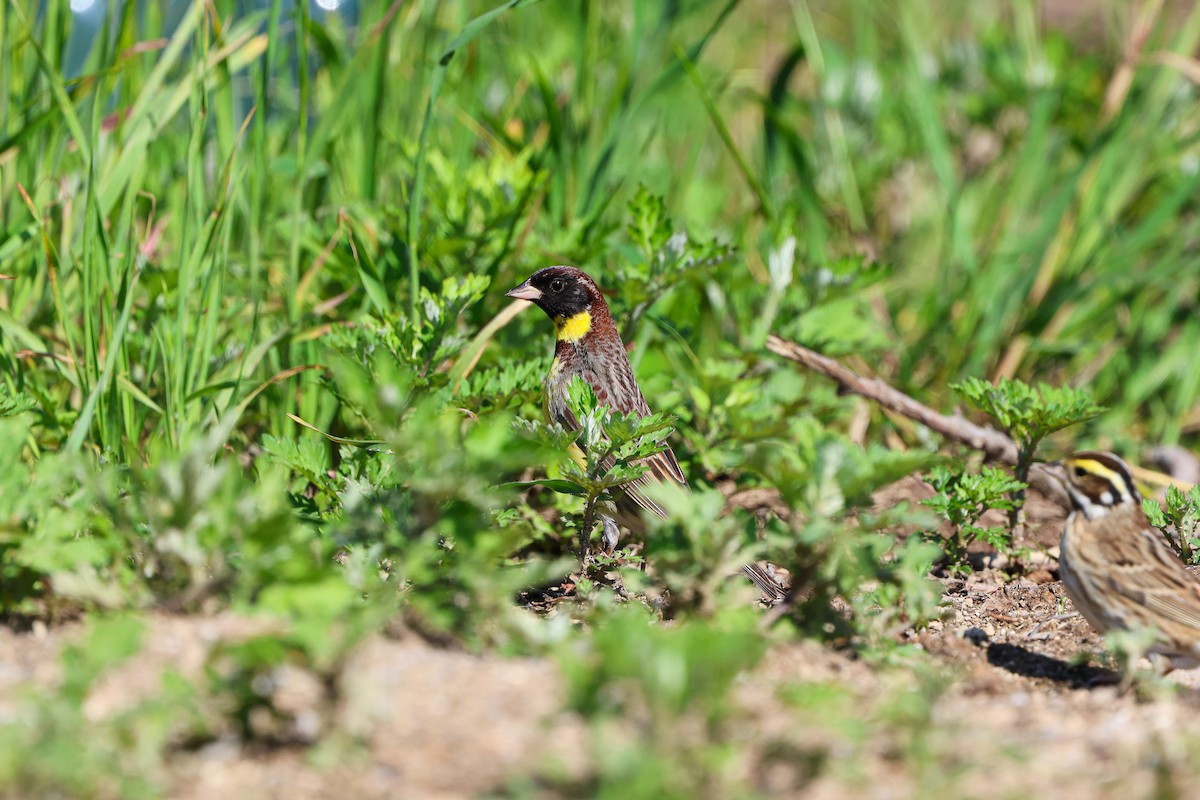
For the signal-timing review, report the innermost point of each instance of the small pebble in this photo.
(307, 726)
(1040, 576)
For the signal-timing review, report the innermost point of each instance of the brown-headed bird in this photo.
(588, 346)
(1115, 566)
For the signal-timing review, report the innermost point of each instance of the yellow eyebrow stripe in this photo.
(1112, 476)
(572, 329)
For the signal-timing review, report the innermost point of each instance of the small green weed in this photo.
(962, 499)
(1027, 414)
(610, 443)
(1179, 520)
(834, 546)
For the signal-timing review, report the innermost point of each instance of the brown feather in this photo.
(1120, 574)
(589, 346)
(600, 359)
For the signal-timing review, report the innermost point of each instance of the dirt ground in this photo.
(1014, 709)
(1014, 717)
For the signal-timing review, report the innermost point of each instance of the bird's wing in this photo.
(619, 389)
(616, 388)
(1145, 571)
(658, 470)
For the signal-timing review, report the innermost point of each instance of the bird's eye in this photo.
(1080, 472)
(557, 285)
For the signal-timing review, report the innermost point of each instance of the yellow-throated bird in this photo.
(1115, 566)
(589, 346)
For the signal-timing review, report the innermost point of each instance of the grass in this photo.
(254, 353)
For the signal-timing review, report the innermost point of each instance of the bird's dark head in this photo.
(568, 296)
(1097, 482)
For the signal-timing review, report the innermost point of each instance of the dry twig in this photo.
(992, 443)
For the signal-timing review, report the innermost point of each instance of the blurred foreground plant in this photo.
(658, 701)
(836, 547)
(53, 746)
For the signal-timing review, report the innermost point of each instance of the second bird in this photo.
(589, 346)
(1115, 566)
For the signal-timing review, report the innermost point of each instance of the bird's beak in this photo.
(1056, 470)
(525, 292)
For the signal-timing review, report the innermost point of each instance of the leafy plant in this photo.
(421, 341)
(697, 552)
(835, 547)
(1179, 520)
(607, 443)
(1028, 414)
(415, 516)
(660, 256)
(962, 499)
(657, 699)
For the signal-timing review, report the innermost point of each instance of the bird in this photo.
(1115, 566)
(589, 346)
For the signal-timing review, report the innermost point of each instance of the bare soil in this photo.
(1018, 700)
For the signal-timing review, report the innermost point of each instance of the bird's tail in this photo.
(765, 582)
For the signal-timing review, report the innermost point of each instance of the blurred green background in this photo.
(210, 171)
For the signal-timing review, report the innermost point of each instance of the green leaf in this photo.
(1026, 413)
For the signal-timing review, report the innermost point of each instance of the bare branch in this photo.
(992, 443)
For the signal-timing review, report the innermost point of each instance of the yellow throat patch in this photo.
(572, 329)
